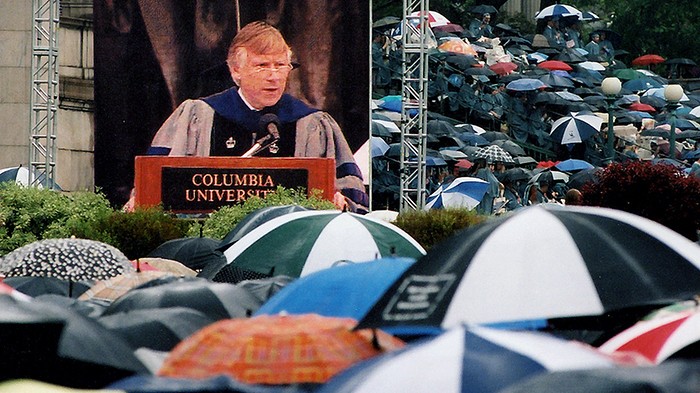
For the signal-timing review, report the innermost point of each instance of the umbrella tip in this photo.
(138, 265)
(375, 341)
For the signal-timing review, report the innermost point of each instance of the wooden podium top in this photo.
(204, 184)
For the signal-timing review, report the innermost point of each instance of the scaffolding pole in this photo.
(414, 97)
(44, 93)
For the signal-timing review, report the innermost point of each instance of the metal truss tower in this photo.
(414, 97)
(43, 124)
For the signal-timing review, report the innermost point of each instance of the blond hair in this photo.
(260, 38)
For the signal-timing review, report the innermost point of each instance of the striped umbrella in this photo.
(275, 349)
(494, 153)
(542, 262)
(575, 128)
(660, 338)
(559, 10)
(475, 359)
(297, 244)
(464, 192)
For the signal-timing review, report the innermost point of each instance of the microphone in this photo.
(268, 123)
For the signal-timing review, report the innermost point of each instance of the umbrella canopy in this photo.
(68, 259)
(193, 252)
(511, 175)
(20, 175)
(554, 65)
(510, 147)
(628, 74)
(551, 177)
(493, 153)
(556, 81)
(642, 84)
(256, 218)
(572, 165)
(559, 10)
(660, 338)
(576, 127)
(299, 243)
(37, 286)
(215, 300)
(158, 329)
(434, 18)
(475, 359)
(648, 59)
(503, 68)
(164, 265)
(595, 261)
(592, 65)
(333, 292)
(526, 84)
(117, 286)
(462, 192)
(579, 179)
(272, 349)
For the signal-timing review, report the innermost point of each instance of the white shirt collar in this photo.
(240, 93)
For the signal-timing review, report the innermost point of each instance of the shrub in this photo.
(222, 221)
(658, 192)
(431, 227)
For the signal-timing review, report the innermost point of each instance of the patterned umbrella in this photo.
(493, 153)
(462, 192)
(434, 18)
(465, 359)
(297, 244)
(584, 261)
(276, 349)
(661, 337)
(115, 287)
(576, 127)
(67, 259)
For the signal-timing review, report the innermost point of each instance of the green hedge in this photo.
(433, 226)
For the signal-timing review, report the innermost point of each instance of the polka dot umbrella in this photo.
(68, 259)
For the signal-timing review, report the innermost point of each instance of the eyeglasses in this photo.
(278, 68)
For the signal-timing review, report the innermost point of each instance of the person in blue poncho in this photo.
(228, 123)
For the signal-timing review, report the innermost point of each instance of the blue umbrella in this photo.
(472, 139)
(434, 161)
(573, 164)
(464, 192)
(526, 84)
(558, 10)
(641, 84)
(333, 292)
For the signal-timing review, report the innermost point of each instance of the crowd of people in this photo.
(492, 81)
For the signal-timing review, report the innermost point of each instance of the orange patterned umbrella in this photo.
(117, 286)
(276, 349)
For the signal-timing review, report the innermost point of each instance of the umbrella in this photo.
(510, 147)
(272, 349)
(117, 286)
(640, 107)
(648, 59)
(452, 155)
(158, 329)
(553, 65)
(592, 65)
(68, 259)
(660, 338)
(573, 164)
(579, 179)
(165, 265)
(37, 286)
(628, 74)
(559, 10)
(254, 219)
(511, 175)
(433, 161)
(434, 18)
(472, 139)
(379, 129)
(556, 81)
(641, 84)
(569, 96)
(439, 127)
(299, 243)
(524, 160)
(215, 300)
(463, 359)
(20, 175)
(462, 192)
(550, 176)
(386, 21)
(525, 84)
(595, 261)
(589, 16)
(193, 252)
(576, 127)
(333, 292)
(483, 9)
(493, 153)
(83, 353)
(503, 68)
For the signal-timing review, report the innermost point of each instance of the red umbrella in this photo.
(641, 107)
(276, 349)
(555, 65)
(647, 60)
(504, 68)
(660, 337)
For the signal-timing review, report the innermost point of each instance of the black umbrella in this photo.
(514, 174)
(159, 329)
(386, 21)
(494, 136)
(510, 147)
(441, 128)
(483, 9)
(581, 178)
(68, 259)
(680, 60)
(37, 286)
(193, 252)
(82, 354)
(596, 262)
(254, 219)
(379, 129)
(216, 300)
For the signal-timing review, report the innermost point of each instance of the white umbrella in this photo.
(559, 10)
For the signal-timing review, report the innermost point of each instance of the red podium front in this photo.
(203, 184)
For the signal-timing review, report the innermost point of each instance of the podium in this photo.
(204, 184)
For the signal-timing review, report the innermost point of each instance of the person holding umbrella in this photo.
(593, 47)
(481, 27)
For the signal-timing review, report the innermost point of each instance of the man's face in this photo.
(263, 78)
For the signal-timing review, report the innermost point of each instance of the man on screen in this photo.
(229, 123)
